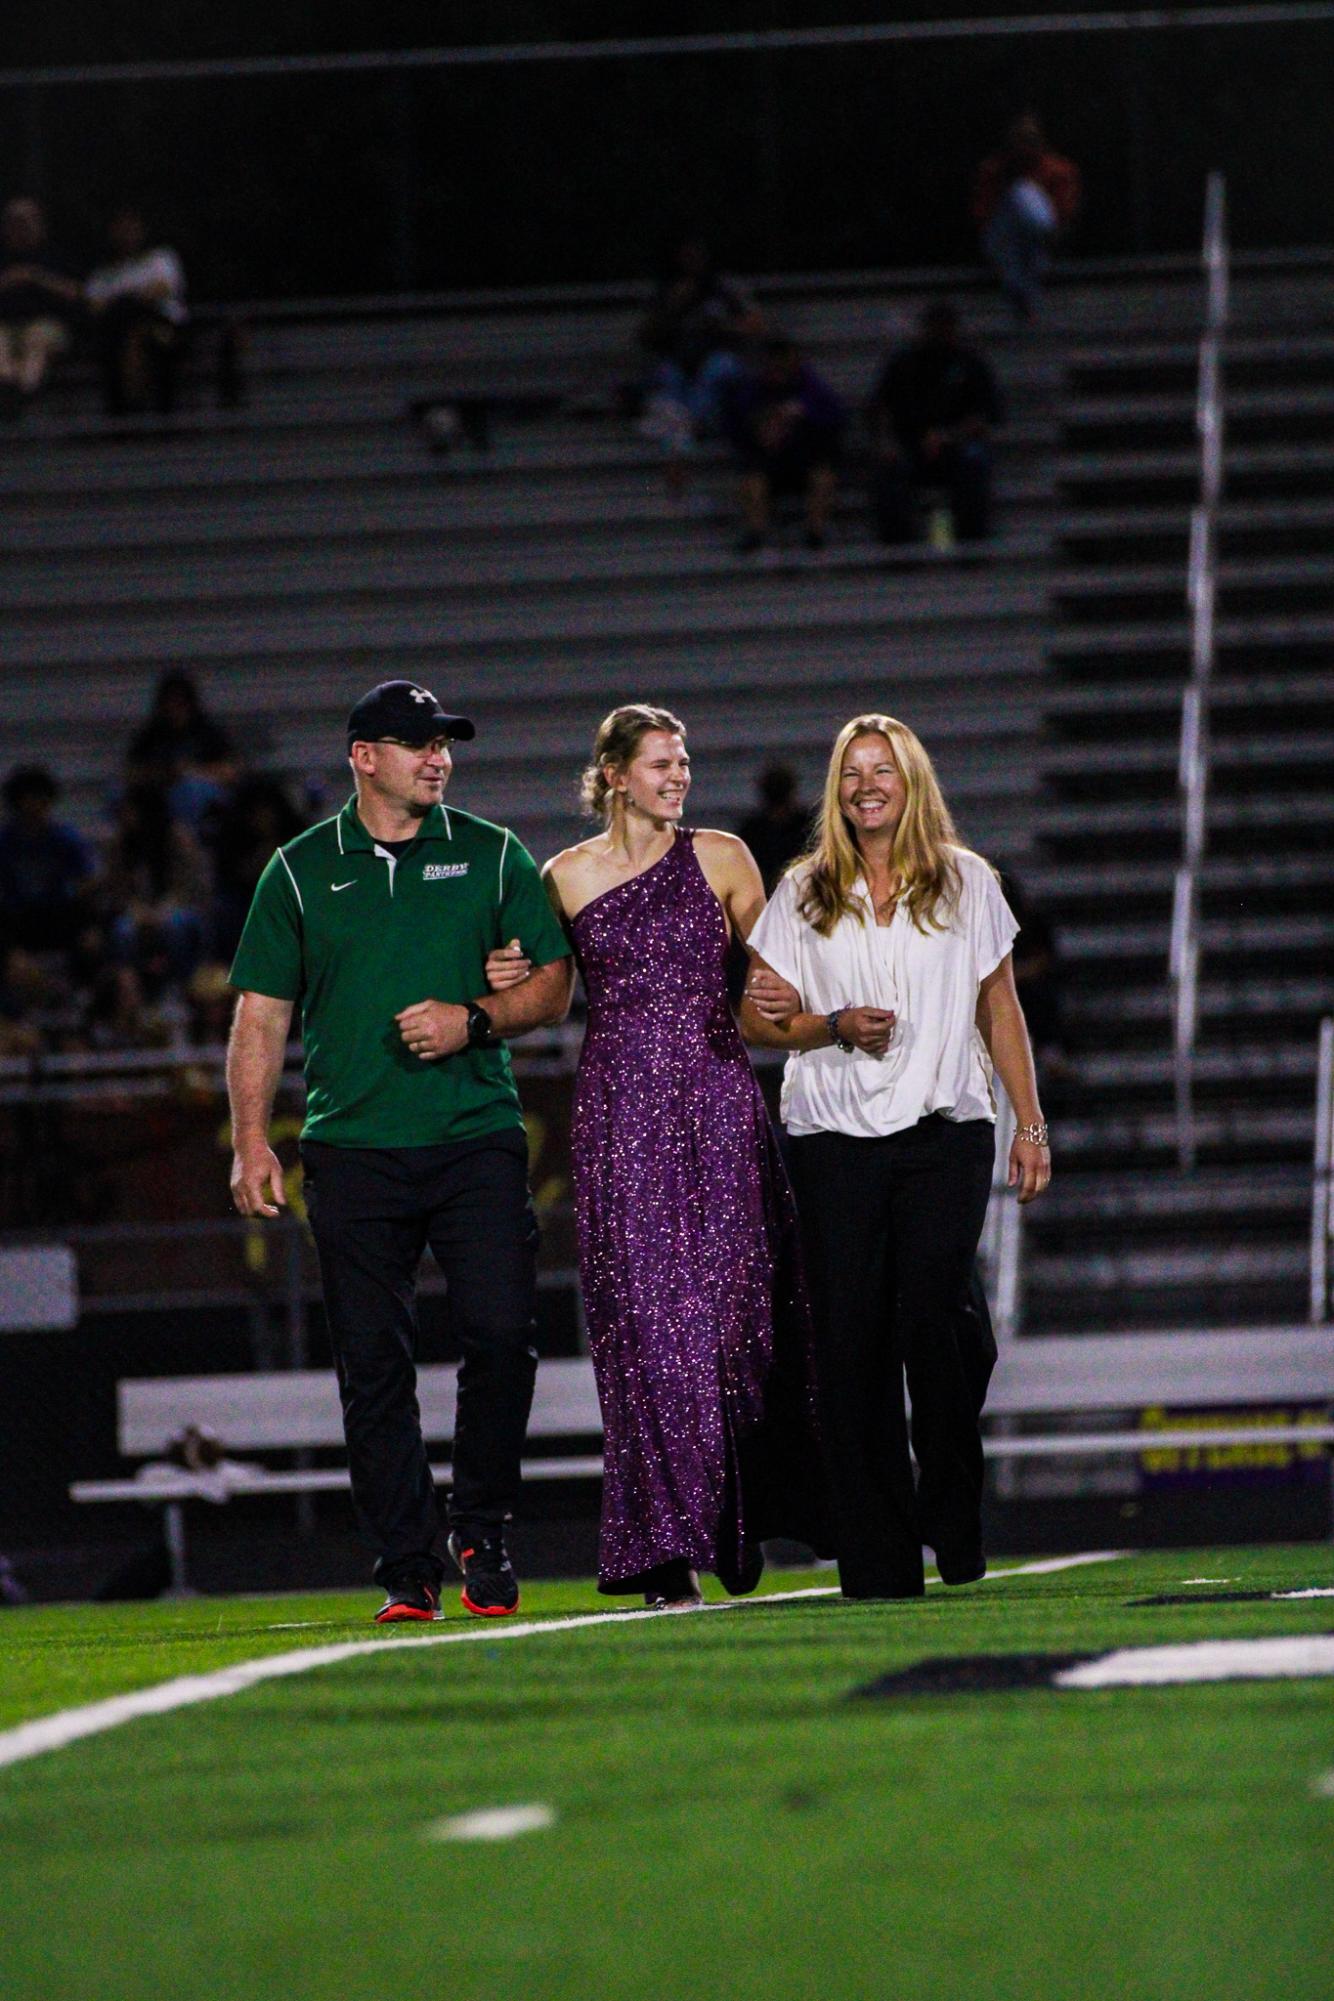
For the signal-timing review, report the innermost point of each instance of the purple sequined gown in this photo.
(687, 1246)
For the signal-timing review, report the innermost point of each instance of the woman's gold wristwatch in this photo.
(1036, 1134)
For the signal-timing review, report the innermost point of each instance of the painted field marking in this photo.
(494, 1823)
(1205, 1660)
(1315, 1591)
(1324, 1786)
(69, 1726)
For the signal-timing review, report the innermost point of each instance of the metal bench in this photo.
(1091, 1377)
(298, 1411)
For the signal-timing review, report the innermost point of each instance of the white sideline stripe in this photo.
(492, 1823)
(1206, 1660)
(1315, 1591)
(68, 1726)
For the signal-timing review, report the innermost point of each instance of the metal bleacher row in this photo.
(294, 551)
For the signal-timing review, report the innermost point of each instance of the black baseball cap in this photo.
(406, 712)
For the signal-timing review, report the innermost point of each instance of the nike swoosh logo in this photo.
(336, 886)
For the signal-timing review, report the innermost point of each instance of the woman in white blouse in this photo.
(883, 965)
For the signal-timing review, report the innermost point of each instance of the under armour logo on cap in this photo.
(404, 713)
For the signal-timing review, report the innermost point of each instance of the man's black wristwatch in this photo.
(480, 1032)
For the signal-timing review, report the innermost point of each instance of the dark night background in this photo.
(524, 173)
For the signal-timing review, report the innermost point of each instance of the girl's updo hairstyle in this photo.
(619, 737)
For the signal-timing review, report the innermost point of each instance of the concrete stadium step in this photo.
(1299, 416)
(1113, 479)
(1285, 1064)
(166, 470)
(1258, 1302)
(1249, 360)
(1102, 820)
(1170, 1269)
(1285, 935)
(1157, 642)
(1143, 534)
(1112, 700)
(553, 563)
(1151, 1136)
(774, 666)
(1289, 751)
(1289, 1003)
(1252, 873)
(1214, 1197)
(628, 502)
(1245, 586)
(346, 631)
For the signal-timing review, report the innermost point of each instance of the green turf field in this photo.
(726, 1821)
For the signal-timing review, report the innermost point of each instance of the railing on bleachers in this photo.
(1202, 587)
(1322, 1193)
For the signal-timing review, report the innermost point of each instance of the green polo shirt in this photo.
(356, 936)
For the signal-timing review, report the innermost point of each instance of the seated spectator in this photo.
(46, 868)
(258, 818)
(777, 831)
(182, 749)
(22, 995)
(1024, 197)
(698, 327)
(140, 317)
(38, 301)
(155, 889)
(210, 1001)
(787, 425)
(117, 1014)
(932, 412)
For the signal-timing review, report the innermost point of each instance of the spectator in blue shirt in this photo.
(46, 868)
(787, 425)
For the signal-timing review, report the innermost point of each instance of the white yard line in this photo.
(68, 1726)
(492, 1823)
(1205, 1660)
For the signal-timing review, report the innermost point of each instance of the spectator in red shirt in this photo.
(1025, 196)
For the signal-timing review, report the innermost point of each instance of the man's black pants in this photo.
(891, 1228)
(373, 1210)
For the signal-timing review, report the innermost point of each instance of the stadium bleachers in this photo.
(1132, 1241)
(294, 551)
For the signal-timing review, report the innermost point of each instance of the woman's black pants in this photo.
(891, 1228)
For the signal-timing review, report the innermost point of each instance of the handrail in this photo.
(1322, 1190)
(1202, 594)
(745, 42)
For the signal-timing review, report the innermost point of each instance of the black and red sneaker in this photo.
(410, 1597)
(490, 1588)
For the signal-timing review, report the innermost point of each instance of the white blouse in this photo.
(936, 1060)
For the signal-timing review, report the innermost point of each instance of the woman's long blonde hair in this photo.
(924, 839)
(618, 739)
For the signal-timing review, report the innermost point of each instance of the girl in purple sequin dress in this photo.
(687, 1233)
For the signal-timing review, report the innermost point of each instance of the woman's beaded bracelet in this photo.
(1036, 1134)
(839, 1041)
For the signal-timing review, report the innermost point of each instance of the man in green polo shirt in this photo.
(378, 922)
